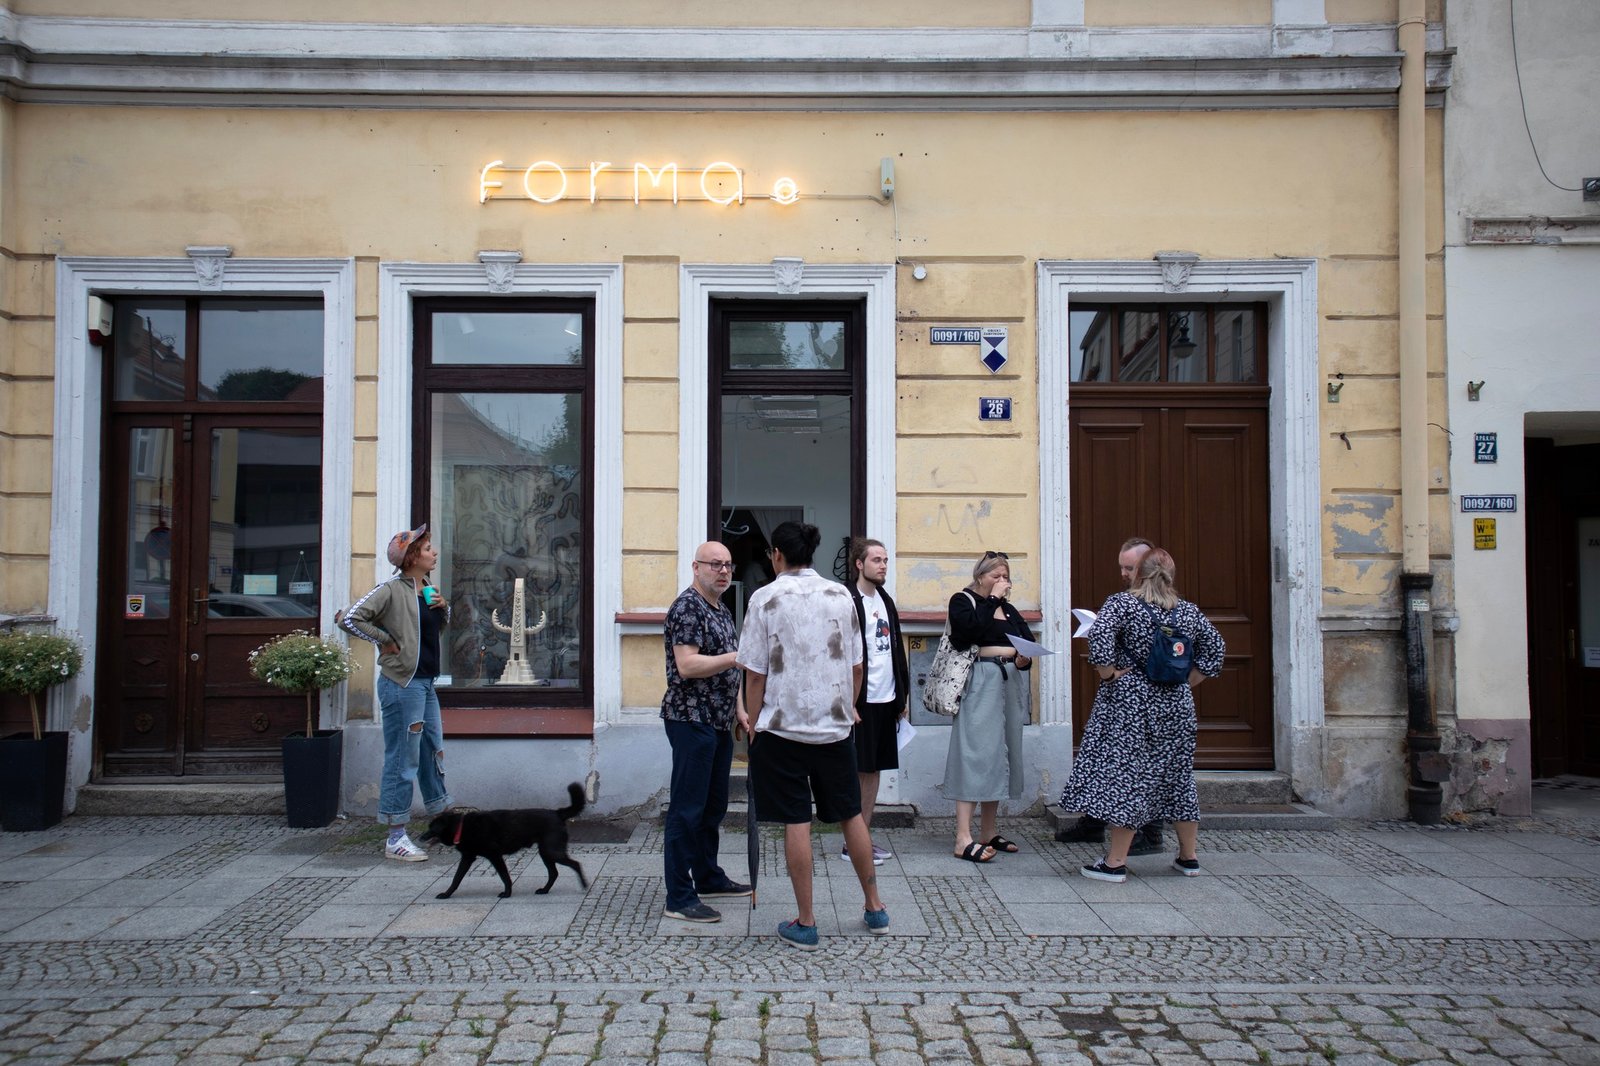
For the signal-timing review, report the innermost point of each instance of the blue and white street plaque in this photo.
(992, 350)
(994, 408)
(954, 334)
(1503, 502)
(1486, 447)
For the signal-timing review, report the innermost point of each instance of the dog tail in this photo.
(576, 791)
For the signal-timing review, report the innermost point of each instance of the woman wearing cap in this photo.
(984, 762)
(403, 616)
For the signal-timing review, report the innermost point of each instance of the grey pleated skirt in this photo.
(985, 758)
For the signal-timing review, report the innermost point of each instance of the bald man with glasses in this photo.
(698, 713)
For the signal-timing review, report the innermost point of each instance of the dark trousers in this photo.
(698, 800)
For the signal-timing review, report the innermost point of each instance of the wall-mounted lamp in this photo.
(1179, 344)
(1333, 391)
(1473, 389)
(919, 271)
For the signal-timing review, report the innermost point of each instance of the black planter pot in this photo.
(311, 777)
(33, 780)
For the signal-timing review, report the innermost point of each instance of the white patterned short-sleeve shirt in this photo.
(801, 632)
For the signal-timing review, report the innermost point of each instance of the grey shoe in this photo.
(695, 912)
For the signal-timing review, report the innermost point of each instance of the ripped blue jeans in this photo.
(413, 749)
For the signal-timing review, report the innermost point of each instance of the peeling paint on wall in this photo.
(1360, 524)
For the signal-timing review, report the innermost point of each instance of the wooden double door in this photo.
(212, 547)
(1186, 469)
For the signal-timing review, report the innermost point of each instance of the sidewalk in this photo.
(239, 929)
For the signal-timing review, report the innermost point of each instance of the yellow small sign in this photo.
(1483, 534)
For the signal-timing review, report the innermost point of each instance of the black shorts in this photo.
(787, 775)
(877, 747)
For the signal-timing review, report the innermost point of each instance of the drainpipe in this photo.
(1427, 766)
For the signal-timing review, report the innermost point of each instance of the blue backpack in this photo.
(1171, 653)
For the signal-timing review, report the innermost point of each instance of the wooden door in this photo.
(213, 548)
(1563, 570)
(1190, 476)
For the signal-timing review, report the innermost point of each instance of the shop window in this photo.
(217, 351)
(1174, 344)
(502, 473)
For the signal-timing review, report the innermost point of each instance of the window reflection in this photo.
(786, 345)
(507, 504)
(148, 545)
(152, 351)
(261, 350)
(507, 338)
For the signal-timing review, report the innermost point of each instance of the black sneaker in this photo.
(1187, 867)
(1099, 871)
(730, 888)
(1085, 830)
(694, 912)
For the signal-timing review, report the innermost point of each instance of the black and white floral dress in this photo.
(1136, 762)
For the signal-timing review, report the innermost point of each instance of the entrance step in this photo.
(1219, 787)
(199, 797)
(1238, 799)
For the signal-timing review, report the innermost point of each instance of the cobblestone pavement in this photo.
(223, 940)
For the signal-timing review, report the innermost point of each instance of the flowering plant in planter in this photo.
(31, 662)
(302, 662)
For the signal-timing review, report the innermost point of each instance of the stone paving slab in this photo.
(235, 939)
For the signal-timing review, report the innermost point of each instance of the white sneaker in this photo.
(844, 853)
(404, 851)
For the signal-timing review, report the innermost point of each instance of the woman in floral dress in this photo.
(1136, 762)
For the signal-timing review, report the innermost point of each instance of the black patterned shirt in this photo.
(709, 627)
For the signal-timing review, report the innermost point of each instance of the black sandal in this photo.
(1000, 843)
(973, 850)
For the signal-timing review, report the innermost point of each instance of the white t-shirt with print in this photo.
(880, 660)
(801, 632)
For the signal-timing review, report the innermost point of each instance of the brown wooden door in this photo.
(1564, 606)
(212, 548)
(1191, 476)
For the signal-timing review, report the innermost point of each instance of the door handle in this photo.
(194, 605)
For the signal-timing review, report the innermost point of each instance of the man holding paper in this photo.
(882, 699)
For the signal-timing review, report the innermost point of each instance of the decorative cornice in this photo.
(500, 269)
(209, 262)
(95, 60)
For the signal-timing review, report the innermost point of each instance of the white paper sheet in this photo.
(1085, 620)
(903, 732)
(1027, 647)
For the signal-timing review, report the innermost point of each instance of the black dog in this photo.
(495, 834)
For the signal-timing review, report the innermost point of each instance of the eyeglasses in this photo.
(996, 555)
(720, 568)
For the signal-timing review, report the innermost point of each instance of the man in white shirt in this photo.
(801, 652)
(882, 700)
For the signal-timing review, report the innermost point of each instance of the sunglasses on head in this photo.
(996, 555)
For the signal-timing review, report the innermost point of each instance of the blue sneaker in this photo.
(800, 936)
(877, 921)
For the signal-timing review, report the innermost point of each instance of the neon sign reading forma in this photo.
(545, 182)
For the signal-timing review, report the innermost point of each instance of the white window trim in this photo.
(75, 512)
(398, 285)
(701, 284)
(1289, 286)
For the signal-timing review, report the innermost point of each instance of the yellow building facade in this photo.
(584, 295)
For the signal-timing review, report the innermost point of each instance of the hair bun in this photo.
(811, 535)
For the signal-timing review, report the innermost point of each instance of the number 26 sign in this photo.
(994, 409)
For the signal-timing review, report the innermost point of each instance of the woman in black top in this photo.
(984, 764)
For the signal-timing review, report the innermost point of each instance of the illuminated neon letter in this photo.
(785, 191)
(484, 184)
(655, 178)
(594, 172)
(527, 182)
(738, 177)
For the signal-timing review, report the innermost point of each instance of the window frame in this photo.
(489, 710)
